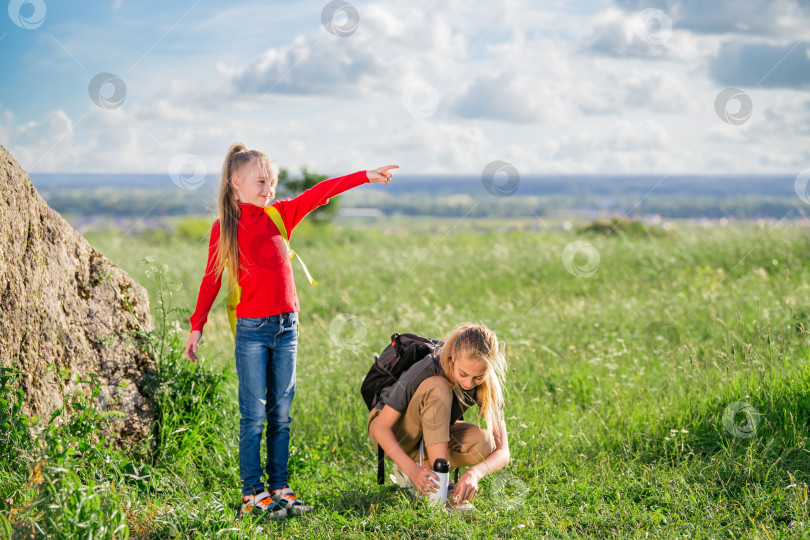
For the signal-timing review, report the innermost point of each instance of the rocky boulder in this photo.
(66, 311)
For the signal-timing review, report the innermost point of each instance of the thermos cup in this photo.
(442, 469)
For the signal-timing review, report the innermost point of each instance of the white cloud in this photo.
(788, 113)
(392, 45)
(165, 109)
(509, 96)
(657, 91)
(525, 84)
(39, 144)
(311, 66)
(419, 147)
(626, 136)
(622, 34)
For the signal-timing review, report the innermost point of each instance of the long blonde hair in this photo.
(477, 342)
(237, 158)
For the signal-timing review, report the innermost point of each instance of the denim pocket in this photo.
(251, 323)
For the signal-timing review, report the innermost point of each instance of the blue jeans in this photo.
(266, 348)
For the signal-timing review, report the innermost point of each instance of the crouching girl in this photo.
(418, 419)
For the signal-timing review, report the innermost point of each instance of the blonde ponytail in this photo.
(236, 159)
(477, 342)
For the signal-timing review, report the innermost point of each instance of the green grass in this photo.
(618, 385)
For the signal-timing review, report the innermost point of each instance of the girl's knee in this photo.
(252, 421)
(469, 444)
(486, 443)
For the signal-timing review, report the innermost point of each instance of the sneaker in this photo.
(263, 506)
(463, 506)
(286, 498)
(401, 479)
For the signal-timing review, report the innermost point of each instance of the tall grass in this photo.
(664, 395)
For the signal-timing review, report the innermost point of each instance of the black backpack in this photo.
(403, 352)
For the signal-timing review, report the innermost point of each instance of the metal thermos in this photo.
(442, 469)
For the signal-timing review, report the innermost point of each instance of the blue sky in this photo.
(613, 86)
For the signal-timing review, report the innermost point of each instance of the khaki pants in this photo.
(428, 418)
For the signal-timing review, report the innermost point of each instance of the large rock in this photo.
(68, 312)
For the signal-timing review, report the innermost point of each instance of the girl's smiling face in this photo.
(256, 183)
(468, 372)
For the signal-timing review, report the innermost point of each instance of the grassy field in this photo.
(659, 386)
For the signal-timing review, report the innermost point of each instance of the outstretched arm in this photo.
(468, 482)
(381, 430)
(294, 210)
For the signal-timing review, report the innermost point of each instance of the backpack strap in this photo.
(274, 214)
(380, 465)
(234, 296)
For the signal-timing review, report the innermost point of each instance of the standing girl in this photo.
(421, 414)
(247, 243)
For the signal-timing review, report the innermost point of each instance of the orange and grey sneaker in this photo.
(262, 505)
(286, 498)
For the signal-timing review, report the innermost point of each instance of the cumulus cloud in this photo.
(313, 66)
(508, 96)
(101, 140)
(658, 92)
(635, 35)
(787, 114)
(435, 147)
(524, 83)
(416, 44)
(39, 144)
(626, 136)
(164, 108)
(762, 64)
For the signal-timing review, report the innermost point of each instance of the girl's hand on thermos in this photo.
(423, 479)
(191, 345)
(382, 175)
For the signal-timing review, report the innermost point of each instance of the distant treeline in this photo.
(751, 197)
